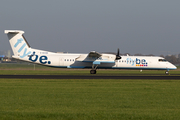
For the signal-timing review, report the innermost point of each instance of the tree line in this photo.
(173, 59)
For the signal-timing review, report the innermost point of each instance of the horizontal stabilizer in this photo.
(14, 31)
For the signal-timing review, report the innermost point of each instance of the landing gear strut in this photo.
(94, 67)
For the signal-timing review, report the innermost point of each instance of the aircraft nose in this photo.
(173, 67)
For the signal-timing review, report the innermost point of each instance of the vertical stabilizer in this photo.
(18, 43)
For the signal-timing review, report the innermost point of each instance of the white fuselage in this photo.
(67, 60)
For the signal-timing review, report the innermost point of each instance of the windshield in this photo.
(162, 60)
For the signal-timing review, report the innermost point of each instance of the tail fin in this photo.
(18, 43)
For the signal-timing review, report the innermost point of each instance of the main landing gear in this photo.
(94, 67)
(93, 71)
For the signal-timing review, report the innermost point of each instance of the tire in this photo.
(93, 71)
(167, 72)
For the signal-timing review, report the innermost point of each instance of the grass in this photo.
(89, 99)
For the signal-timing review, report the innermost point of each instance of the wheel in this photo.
(167, 72)
(93, 71)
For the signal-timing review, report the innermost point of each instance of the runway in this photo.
(168, 77)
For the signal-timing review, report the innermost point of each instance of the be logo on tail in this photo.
(42, 59)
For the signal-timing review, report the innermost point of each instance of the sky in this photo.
(81, 26)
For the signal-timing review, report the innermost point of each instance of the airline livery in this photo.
(93, 60)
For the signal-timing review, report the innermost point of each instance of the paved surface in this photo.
(168, 77)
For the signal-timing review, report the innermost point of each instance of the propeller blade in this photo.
(118, 52)
(117, 55)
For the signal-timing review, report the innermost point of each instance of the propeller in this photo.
(117, 55)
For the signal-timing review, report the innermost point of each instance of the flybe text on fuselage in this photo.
(137, 62)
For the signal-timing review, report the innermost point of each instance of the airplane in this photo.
(23, 51)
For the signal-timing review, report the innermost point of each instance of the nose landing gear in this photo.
(167, 72)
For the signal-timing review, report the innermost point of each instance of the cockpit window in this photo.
(162, 60)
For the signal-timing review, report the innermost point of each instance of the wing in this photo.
(97, 58)
(92, 56)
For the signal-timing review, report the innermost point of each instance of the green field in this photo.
(46, 99)
(89, 99)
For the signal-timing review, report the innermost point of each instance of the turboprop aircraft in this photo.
(93, 60)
